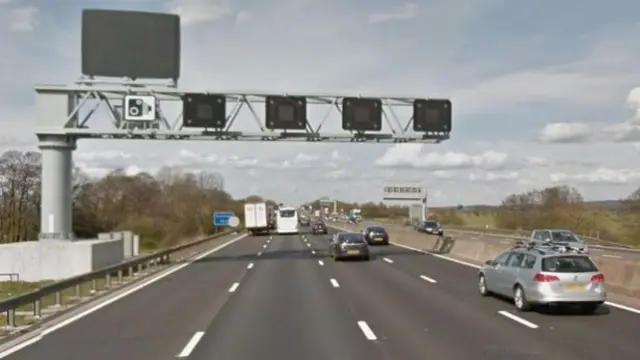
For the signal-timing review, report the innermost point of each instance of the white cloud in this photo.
(412, 156)
(404, 12)
(565, 132)
(194, 12)
(599, 176)
(23, 18)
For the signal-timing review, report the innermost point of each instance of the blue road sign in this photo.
(221, 218)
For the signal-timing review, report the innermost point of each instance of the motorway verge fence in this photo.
(23, 310)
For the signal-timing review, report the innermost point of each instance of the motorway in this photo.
(596, 250)
(282, 297)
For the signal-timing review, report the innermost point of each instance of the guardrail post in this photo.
(37, 309)
(78, 291)
(140, 267)
(107, 280)
(58, 297)
(11, 318)
(94, 286)
(119, 276)
(130, 271)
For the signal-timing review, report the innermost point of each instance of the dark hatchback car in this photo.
(319, 227)
(429, 227)
(376, 235)
(348, 245)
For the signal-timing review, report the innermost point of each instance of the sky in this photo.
(544, 92)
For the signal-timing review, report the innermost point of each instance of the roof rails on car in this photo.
(549, 246)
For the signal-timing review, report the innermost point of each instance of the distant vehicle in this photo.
(376, 235)
(256, 218)
(304, 221)
(319, 227)
(287, 221)
(551, 274)
(542, 236)
(429, 227)
(348, 245)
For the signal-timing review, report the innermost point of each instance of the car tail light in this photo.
(597, 278)
(545, 278)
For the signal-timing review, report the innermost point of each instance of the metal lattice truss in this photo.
(86, 98)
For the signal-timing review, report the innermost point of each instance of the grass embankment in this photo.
(602, 224)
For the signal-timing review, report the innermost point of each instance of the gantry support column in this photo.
(56, 188)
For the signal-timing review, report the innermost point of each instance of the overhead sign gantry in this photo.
(131, 66)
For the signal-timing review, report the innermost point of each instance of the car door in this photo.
(494, 275)
(511, 271)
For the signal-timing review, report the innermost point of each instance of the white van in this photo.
(287, 221)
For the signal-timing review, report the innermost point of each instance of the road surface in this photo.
(285, 299)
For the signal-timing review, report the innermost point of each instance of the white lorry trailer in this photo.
(256, 218)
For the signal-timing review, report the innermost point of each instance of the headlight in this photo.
(428, 229)
(371, 234)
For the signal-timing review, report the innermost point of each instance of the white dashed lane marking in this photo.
(234, 287)
(518, 319)
(426, 278)
(334, 282)
(250, 266)
(388, 260)
(193, 342)
(366, 330)
(321, 263)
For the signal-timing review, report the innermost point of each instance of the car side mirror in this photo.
(489, 262)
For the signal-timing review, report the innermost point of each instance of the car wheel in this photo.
(482, 286)
(520, 299)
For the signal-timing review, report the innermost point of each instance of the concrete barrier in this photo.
(60, 259)
(622, 276)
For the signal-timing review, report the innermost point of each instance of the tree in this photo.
(164, 208)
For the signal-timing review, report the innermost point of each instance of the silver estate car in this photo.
(348, 245)
(543, 236)
(552, 274)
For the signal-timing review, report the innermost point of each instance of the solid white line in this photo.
(611, 256)
(366, 330)
(234, 287)
(250, 266)
(426, 278)
(475, 266)
(518, 319)
(388, 260)
(334, 282)
(110, 301)
(321, 262)
(188, 349)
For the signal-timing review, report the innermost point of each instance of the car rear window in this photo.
(376, 229)
(430, 224)
(568, 264)
(351, 238)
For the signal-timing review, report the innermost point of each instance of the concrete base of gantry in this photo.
(60, 259)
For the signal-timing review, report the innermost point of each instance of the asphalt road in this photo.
(293, 302)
